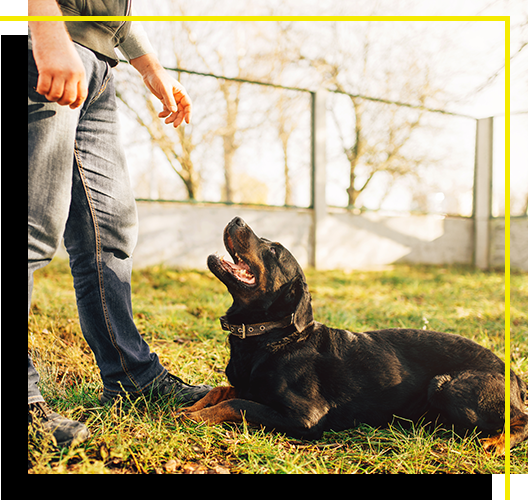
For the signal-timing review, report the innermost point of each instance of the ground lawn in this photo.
(178, 311)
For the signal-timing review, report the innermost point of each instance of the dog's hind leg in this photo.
(469, 399)
(473, 399)
(518, 419)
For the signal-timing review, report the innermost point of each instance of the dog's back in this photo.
(357, 377)
(300, 377)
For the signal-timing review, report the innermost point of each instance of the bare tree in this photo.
(346, 57)
(162, 136)
(215, 62)
(280, 60)
(240, 61)
(231, 92)
(380, 132)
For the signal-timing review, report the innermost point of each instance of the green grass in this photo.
(178, 311)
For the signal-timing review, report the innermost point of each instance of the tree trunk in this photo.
(354, 153)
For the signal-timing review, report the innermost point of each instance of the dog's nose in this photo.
(238, 222)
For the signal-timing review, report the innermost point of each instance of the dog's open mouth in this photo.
(239, 269)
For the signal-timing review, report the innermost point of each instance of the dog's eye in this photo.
(273, 251)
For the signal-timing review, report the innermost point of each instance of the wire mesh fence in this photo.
(251, 143)
(247, 143)
(399, 158)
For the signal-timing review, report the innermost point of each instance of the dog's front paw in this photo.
(212, 398)
(494, 445)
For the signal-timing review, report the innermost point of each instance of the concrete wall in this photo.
(371, 240)
(518, 243)
(183, 235)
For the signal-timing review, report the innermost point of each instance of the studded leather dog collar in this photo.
(255, 329)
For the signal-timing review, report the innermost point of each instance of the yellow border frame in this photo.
(505, 19)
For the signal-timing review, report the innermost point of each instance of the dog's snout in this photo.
(237, 221)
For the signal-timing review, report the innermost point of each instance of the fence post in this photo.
(318, 168)
(482, 192)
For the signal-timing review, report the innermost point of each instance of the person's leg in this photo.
(51, 136)
(100, 236)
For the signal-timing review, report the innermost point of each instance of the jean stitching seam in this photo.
(102, 89)
(161, 376)
(99, 267)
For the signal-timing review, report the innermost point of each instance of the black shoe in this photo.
(169, 386)
(63, 431)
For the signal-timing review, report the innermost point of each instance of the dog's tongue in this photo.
(240, 271)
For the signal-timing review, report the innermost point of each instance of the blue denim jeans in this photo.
(79, 189)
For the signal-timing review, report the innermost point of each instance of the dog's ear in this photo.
(303, 316)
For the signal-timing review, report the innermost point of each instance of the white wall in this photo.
(518, 243)
(183, 235)
(371, 240)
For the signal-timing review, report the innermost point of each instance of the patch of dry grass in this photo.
(178, 311)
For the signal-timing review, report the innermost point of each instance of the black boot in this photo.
(64, 432)
(169, 386)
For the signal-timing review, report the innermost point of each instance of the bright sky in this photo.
(484, 40)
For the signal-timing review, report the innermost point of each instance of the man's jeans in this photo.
(79, 188)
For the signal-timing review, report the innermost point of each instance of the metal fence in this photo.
(518, 149)
(413, 158)
(261, 144)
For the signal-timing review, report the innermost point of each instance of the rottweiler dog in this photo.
(297, 376)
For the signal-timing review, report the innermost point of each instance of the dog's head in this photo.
(265, 280)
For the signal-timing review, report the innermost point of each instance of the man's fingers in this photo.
(169, 115)
(64, 91)
(82, 94)
(69, 94)
(177, 107)
(169, 103)
(188, 114)
(171, 118)
(56, 90)
(176, 103)
(184, 104)
(43, 84)
(176, 118)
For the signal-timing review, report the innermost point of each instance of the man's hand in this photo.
(176, 102)
(61, 76)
